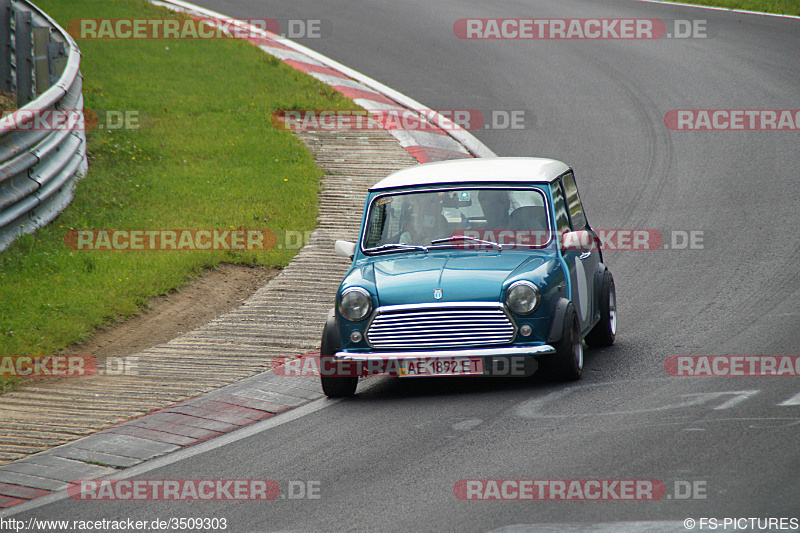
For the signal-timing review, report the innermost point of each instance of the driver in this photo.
(425, 221)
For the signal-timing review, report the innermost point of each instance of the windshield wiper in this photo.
(465, 238)
(396, 247)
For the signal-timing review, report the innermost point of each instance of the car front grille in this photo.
(429, 326)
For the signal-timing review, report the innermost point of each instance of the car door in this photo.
(582, 263)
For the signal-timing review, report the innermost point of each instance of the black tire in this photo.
(333, 386)
(605, 331)
(567, 363)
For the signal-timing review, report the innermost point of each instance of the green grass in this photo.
(208, 158)
(785, 7)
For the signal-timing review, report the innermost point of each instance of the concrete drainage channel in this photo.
(56, 432)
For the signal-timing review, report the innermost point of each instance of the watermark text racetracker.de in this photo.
(169, 239)
(312, 365)
(733, 120)
(607, 239)
(733, 365)
(578, 490)
(67, 366)
(193, 489)
(47, 365)
(578, 28)
(303, 120)
(193, 28)
(75, 119)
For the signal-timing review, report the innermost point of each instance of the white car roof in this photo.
(481, 170)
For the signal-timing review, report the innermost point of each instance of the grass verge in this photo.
(783, 7)
(207, 157)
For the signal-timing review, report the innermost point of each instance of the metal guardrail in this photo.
(39, 163)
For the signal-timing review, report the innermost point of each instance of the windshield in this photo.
(513, 217)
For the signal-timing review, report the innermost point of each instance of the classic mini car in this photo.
(470, 267)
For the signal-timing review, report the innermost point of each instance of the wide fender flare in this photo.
(557, 326)
(330, 335)
(599, 277)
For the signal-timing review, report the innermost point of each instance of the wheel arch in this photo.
(331, 342)
(557, 324)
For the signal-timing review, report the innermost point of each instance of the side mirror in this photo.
(345, 249)
(577, 240)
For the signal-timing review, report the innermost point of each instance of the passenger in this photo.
(495, 204)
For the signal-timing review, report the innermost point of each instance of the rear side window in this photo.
(573, 202)
(560, 207)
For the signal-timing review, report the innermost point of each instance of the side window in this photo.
(562, 220)
(574, 202)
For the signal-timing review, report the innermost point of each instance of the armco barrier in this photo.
(39, 165)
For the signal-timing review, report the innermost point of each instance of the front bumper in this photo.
(503, 361)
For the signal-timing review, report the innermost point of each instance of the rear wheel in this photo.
(605, 331)
(333, 386)
(567, 363)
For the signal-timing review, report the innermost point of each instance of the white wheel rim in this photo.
(577, 347)
(612, 310)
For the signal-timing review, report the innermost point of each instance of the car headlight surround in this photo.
(522, 297)
(355, 304)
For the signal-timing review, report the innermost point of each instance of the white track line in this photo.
(714, 8)
(794, 400)
(185, 453)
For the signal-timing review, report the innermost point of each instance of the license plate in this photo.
(456, 366)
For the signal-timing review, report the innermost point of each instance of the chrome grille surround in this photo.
(440, 325)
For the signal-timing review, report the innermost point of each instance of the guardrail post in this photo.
(24, 48)
(57, 60)
(6, 81)
(41, 70)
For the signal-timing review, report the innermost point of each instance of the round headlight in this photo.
(355, 304)
(522, 298)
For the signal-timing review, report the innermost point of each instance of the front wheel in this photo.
(567, 363)
(333, 386)
(605, 331)
(337, 386)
